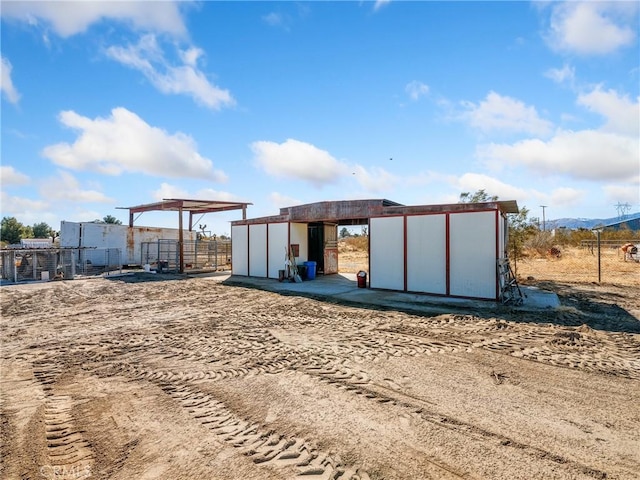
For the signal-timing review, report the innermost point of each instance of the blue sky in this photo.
(115, 104)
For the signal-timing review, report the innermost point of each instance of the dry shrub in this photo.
(580, 265)
(354, 244)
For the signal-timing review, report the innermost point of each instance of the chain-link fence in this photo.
(204, 254)
(22, 265)
(586, 263)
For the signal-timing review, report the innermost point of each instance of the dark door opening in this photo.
(316, 245)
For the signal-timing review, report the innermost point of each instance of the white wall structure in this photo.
(278, 236)
(258, 250)
(386, 253)
(450, 250)
(109, 235)
(299, 236)
(472, 254)
(427, 254)
(240, 250)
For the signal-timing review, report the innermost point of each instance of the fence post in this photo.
(599, 258)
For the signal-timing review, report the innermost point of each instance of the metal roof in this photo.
(356, 211)
(188, 205)
(181, 205)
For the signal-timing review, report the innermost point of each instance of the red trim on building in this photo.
(267, 250)
(447, 255)
(405, 251)
(497, 254)
(248, 251)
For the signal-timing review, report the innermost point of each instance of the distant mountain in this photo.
(588, 223)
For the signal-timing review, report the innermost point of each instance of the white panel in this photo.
(258, 250)
(278, 237)
(472, 254)
(386, 254)
(239, 250)
(300, 236)
(427, 254)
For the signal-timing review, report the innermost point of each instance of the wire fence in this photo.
(203, 254)
(43, 264)
(587, 263)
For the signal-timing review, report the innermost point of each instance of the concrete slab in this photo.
(343, 288)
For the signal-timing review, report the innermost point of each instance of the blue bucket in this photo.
(311, 270)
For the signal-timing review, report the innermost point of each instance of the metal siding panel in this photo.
(473, 255)
(239, 249)
(386, 253)
(258, 250)
(278, 237)
(427, 254)
(300, 236)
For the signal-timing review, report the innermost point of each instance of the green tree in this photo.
(344, 233)
(111, 219)
(478, 197)
(520, 226)
(12, 231)
(42, 230)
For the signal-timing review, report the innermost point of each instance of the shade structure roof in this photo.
(358, 212)
(188, 205)
(181, 205)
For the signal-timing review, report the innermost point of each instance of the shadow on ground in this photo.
(600, 308)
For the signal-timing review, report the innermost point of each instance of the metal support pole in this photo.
(599, 261)
(544, 222)
(180, 242)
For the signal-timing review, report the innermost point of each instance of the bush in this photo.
(355, 244)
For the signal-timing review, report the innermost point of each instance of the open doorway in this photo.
(353, 248)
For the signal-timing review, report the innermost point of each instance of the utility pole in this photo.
(544, 223)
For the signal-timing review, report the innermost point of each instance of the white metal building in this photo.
(449, 250)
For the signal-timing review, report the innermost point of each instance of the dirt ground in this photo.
(166, 377)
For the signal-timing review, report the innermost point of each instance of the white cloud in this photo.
(167, 190)
(587, 154)
(375, 180)
(6, 84)
(66, 188)
(595, 28)
(622, 114)
(188, 79)
(124, 142)
(380, 3)
(280, 201)
(70, 18)
(566, 197)
(472, 182)
(10, 176)
(274, 19)
(298, 160)
(18, 206)
(623, 193)
(506, 114)
(561, 75)
(416, 89)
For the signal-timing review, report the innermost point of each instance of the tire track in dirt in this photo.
(70, 455)
(262, 446)
(601, 352)
(358, 384)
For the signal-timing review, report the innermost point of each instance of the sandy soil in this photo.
(160, 377)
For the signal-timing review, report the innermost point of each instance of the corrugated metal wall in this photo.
(240, 250)
(427, 254)
(386, 253)
(443, 254)
(278, 241)
(472, 254)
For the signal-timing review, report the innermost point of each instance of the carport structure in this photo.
(181, 205)
(450, 250)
